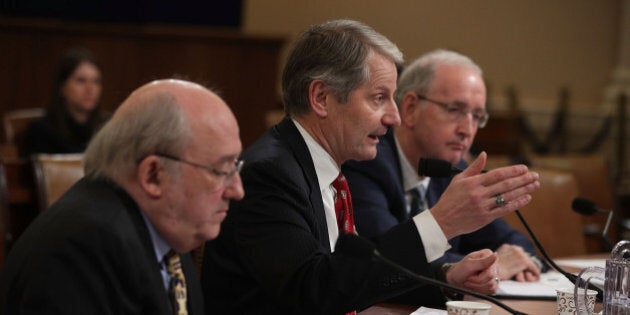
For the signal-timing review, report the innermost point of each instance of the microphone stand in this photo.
(605, 241)
(573, 278)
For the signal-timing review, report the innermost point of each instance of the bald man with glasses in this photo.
(441, 97)
(159, 178)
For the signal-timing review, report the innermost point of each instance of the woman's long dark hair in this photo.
(57, 110)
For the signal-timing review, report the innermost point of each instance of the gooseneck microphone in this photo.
(436, 168)
(588, 207)
(361, 248)
(441, 168)
(585, 206)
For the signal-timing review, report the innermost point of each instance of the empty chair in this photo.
(591, 172)
(54, 175)
(594, 182)
(15, 124)
(549, 214)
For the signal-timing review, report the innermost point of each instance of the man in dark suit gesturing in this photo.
(275, 254)
(159, 177)
(442, 101)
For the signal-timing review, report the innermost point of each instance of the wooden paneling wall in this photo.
(243, 68)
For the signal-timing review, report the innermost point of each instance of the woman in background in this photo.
(72, 115)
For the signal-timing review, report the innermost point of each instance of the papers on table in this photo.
(549, 281)
(428, 311)
(581, 263)
(545, 288)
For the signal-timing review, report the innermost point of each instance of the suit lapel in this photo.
(286, 129)
(388, 152)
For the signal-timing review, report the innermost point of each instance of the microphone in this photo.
(588, 207)
(585, 206)
(361, 248)
(438, 168)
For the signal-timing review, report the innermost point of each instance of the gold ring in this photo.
(500, 200)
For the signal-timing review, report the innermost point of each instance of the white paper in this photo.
(428, 311)
(545, 287)
(581, 263)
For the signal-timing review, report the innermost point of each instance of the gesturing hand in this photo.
(472, 199)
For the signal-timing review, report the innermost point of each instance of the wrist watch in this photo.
(449, 294)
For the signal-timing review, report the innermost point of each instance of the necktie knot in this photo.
(417, 201)
(177, 287)
(341, 187)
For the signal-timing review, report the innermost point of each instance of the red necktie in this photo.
(343, 209)
(343, 205)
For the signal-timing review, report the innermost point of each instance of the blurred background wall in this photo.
(537, 46)
(556, 70)
(559, 65)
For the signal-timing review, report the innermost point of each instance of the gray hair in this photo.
(419, 75)
(157, 123)
(335, 52)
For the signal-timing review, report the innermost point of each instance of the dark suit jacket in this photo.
(273, 255)
(379, 201)
(90, 253)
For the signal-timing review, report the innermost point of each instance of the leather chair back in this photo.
(54, 175)
(15, 124)
(549, 214)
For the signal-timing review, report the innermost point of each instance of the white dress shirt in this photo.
(433, 238)
(160, 247)
(327, 170)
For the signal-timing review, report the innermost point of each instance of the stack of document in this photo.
(545, 289)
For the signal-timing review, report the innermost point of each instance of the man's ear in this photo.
(151, 176)
(409, 108)
(318, 94)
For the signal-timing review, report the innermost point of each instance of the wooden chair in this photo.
(4, 215)
(497, 160)
(549, 214)
(15, 124)
(273, 116)
(18, 204)
(594, 182)
(54, 175)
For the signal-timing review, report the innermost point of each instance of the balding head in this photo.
(157, 117)
(171, 146)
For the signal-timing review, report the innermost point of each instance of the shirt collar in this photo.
(409, 176)
(160, 246)
(325, 166)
